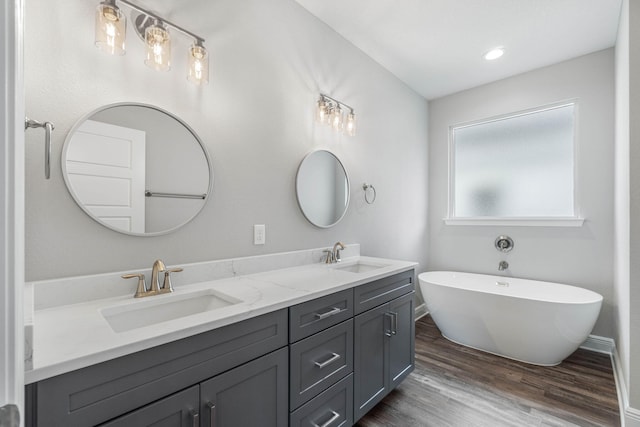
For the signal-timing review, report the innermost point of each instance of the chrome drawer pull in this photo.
(329, 422)
(196, 418)
(332, 312)
(333, 358)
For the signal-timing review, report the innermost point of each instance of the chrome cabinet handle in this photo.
(329, 421)
(212, 414)
(394, 323)
(195, 417)
(332, 312)
(389, 331)
(333, 358)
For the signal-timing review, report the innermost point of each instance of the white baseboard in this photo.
(632, 418)
(599, 344)
(629, 417)
(420, 311)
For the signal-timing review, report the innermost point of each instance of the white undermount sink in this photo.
(358, 267)
(162, 308)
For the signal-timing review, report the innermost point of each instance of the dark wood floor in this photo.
(454, 385)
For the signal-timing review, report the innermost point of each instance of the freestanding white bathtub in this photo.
(526, 320)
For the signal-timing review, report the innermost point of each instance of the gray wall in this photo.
(573, 255)
(269, 61)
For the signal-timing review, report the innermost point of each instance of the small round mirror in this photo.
(322, 188)
(136, 169)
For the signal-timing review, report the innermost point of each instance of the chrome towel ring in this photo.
(367, 187)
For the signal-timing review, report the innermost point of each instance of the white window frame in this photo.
(570, 221)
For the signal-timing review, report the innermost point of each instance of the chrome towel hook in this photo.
(366, 187)
(48, 129)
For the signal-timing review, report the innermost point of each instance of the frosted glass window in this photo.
(520, 166)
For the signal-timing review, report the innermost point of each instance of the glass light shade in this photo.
(350, 125)
(322, 111)
(336, 118)
(158, 48)
(198, 65)
(110, 29)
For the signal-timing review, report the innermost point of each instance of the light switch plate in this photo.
(259, 234)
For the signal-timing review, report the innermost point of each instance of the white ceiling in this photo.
(436, 46)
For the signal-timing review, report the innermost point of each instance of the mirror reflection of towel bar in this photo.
(175, 195)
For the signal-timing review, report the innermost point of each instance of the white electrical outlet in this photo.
(259, 234)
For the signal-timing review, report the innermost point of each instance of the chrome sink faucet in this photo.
(155, 289)
(333, 255)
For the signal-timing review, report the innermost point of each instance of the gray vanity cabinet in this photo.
(324, 362)
(384, 337)
(254, 394)
(129, 384)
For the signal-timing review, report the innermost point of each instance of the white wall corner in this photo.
(420, 311)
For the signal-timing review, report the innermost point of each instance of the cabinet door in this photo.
(371, 356)
(254, 394)
(402, 341)
(178, 410)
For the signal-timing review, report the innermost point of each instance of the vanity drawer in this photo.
(320, 361)
(313, 316)
(383, 290)
(333, 407)
(98, 393)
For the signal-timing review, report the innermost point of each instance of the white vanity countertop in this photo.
(70, 337)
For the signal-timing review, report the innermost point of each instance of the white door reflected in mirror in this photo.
(106, 168)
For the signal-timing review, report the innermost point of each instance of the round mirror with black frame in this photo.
(322, 188)
(137, 169)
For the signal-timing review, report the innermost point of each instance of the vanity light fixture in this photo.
(110, 34)
(494, 53)
(111, 27)
(330, 111)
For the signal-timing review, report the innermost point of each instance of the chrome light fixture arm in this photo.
(164, 21)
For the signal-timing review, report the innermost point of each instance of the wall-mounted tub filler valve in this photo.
(504, 243)
(503, 265)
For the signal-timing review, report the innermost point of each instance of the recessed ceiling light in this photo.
(494, 53)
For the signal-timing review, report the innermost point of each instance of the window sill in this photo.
(517, 222)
